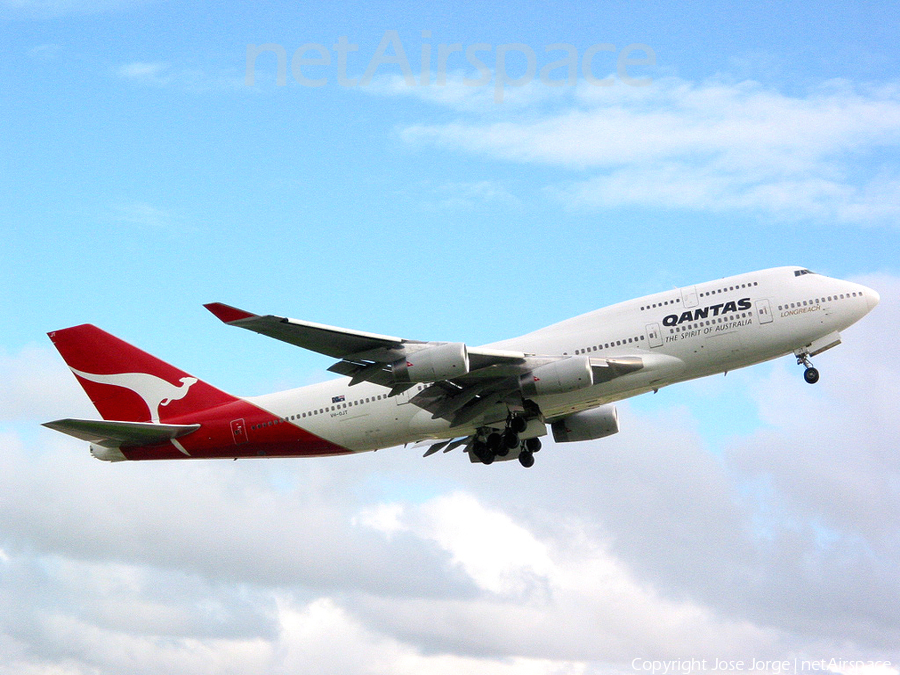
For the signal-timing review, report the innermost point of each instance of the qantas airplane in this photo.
(494, 402)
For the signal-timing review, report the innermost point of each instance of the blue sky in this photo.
(143, 177)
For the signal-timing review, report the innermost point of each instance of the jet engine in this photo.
(443, 362)
(558, 377)
(587, 425)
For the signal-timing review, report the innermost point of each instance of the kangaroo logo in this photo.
(154, 390)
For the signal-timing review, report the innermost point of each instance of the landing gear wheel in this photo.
(510, 440)
(518, 424)
(811, 375)
(526, 459)
(493, 442)
(484, 454)
(533, 444)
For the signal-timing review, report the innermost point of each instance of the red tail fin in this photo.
(128, 384)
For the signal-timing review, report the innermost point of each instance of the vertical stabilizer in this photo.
(126, 383)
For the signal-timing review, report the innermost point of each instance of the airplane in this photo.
(495, 402)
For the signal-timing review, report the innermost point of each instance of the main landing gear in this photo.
(500, 444)
(811, 375)
(526, 455)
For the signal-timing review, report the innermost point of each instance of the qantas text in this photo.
(704, 312)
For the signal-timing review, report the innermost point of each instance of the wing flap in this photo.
(606, 369)
(111, 433)
(363, 372)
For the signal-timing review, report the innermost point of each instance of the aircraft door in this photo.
(689, 296)
(763, 311)
(238, 431)
(654, 336)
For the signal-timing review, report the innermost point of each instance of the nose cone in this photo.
(872, 297)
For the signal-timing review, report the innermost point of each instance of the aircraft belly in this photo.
(407, 424)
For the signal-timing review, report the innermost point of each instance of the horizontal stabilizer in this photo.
(113, 433)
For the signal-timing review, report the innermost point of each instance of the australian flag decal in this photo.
(337, 399)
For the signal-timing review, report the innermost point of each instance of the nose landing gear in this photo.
(811, 375)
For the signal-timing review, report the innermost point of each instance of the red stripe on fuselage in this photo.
(266, 436)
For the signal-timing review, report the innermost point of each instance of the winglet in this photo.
(227, 313)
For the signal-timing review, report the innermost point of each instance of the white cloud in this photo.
(708, 146)
(466, 195)
(560, 595)
(152, 73)
(641, 545)
(500, 556)
(839, 467)
(163, 74)
(36, 385)
(45, 52)
(455, 93)
(145, 215)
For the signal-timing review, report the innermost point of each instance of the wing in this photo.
(390, 361)
(111, 433)
(328, 340)
(465, 384)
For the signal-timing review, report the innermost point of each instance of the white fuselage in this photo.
(685, 333)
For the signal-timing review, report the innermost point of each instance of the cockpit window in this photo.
(798, 273)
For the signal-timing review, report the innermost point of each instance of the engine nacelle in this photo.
(558, 377)
(587, 425)
(433, 364)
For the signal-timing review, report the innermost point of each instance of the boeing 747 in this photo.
(493, 402)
